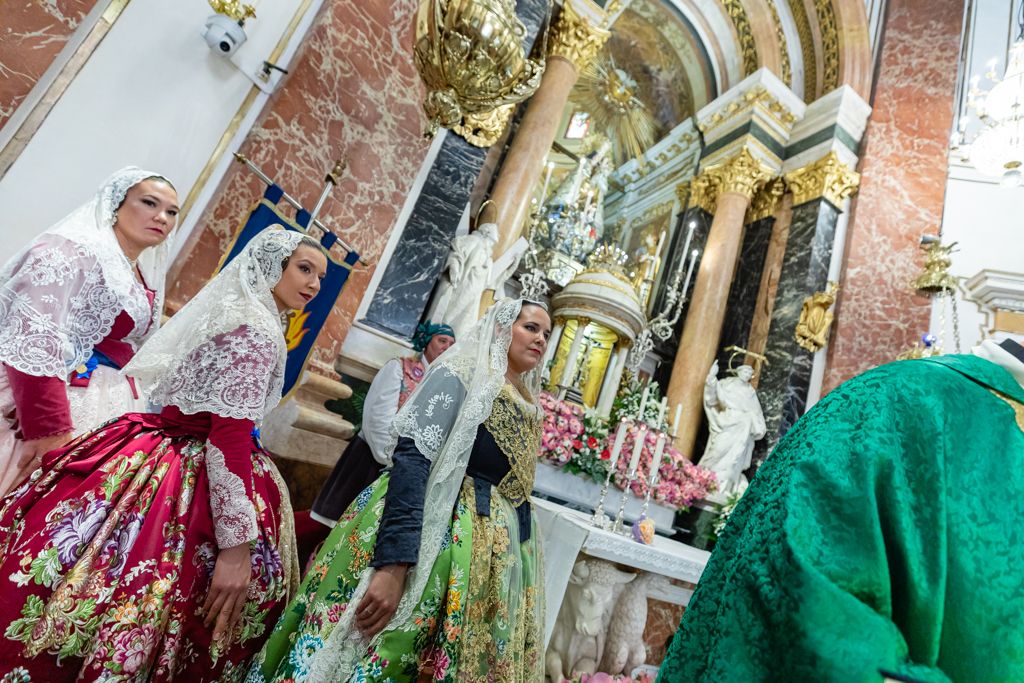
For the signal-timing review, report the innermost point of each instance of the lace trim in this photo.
(231, 375)
(234, 515)
(59, 302)
(516, 428)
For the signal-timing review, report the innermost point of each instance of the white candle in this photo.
(689, 272)
(675, 422)
(547, 178)
(638, 447)
(662, 407)
(620, 438)
(656, 460)
(689, 238)
(643, 403)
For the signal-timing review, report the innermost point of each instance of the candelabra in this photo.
(661, 325)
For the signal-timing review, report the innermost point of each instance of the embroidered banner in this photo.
(303, 326)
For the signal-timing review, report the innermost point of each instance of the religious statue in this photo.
(816, 319)
(467, 274)
(735, 422)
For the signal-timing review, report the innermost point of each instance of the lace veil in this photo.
(442, 416)
(224, 351)
(60, 295)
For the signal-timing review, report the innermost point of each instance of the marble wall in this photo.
(352, 93)
(419, 257)
(786, 379)
(903, 180)
(745, 287)
(32, 34)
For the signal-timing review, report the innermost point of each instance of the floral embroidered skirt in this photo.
(106, 555)
(480, 618)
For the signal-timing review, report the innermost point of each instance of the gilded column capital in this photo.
(704, 191)
(828, 177)
(766, 201)
(574, 38)
(683, 190)
(742, 174)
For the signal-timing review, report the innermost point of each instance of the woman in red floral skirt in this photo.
(161, 546)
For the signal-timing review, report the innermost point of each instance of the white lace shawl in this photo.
(442, 416)
(60, 295)
(224, 352)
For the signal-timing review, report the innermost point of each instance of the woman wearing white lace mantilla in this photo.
(75, 304)
(161, 546)
(437, 566)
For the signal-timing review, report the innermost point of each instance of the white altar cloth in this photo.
(565, 533)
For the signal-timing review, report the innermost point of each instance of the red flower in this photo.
(606, 454)
(577, 444)
(591, 442)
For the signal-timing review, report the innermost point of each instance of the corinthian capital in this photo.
(742, 174)
(575, 38)
(828, 177)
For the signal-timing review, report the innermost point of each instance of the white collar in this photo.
(992, 352)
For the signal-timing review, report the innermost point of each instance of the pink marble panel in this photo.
(903, 182)
(352, 93)
(31, 36)
(662, 623)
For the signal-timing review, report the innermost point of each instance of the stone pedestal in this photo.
(305, 438)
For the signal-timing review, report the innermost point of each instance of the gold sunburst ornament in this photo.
(471, 58)
(609, 94)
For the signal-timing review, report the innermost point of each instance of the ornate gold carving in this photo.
(704, 192)
(759, 96)
(575, 39)
(816, 319)
(803, 31)
(766, 201)
(742, 174)
(827, 177)
(470, 56)
(936, 278)
(738, 14)
(829, 44)
(787, 68)
(683, 193)
(483, 130)
(233, 9)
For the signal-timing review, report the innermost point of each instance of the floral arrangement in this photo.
(580, 442)
(601, 677)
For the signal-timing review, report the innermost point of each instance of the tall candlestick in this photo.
(638, 447)
(643, 403)
(620, 438)
(662, 407)
(547, 178)
(689, 238)
(675, 422)
(689, 273)
(652, 480)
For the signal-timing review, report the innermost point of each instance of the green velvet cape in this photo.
(885, 532)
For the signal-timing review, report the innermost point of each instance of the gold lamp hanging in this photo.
(471, 58)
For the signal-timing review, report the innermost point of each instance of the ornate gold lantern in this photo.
(471, 58)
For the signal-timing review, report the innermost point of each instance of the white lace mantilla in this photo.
(60, 301)
(229, 375)
(234, 515)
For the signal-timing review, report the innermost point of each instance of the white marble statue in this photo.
(577, 640)
(735, 422)
(467, 274)
(624, 649)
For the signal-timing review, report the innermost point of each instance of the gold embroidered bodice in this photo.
(515, 425)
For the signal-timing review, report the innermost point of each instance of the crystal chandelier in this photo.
(998, 148)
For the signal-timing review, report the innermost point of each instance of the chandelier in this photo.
(998, 148)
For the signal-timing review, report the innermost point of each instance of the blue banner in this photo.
(303, 326)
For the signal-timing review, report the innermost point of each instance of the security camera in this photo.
(223, 34)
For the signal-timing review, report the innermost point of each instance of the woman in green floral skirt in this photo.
(436, 566)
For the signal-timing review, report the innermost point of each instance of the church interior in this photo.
(728, 209)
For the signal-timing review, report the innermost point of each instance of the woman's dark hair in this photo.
(152, 177)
